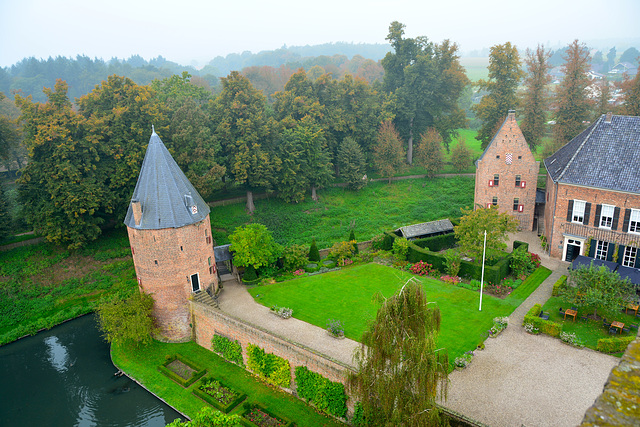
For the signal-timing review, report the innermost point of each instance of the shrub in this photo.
(326, 395)
(311, 267)
(352, 238)
(401, 248)
(571, 339)
(422, 268)
(614, 345)
(499, 325)
(341, 250)
(295, 257)
(518, 243)
(250, 274)
(531, 329)
(273, 369)
(521, 263)
(546, 327)
(284, 312)
(218, 394)
(359, 420)
(377, 242)
(464, 360)
(452, 280)
(452, 259)
(559, 285)
(314, 253)
(437, 243)
(335, 328)
(230, 350)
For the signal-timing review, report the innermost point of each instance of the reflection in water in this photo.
(64, 377)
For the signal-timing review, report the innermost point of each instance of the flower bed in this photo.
(499, 325)
(255, 415)
(464, 360)
(218, 395)
(181, 370)
(283, 312)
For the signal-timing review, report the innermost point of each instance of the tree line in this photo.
(84, 157)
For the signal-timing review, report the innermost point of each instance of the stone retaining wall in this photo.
(10, 246)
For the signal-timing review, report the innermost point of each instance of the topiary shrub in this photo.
(557, 287)
(352, 238)
(401, 248)
(250, 274)
(314, 253)
(614, 345)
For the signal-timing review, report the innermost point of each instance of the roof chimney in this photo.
(512, 115)
(607, 119)
(136, 207)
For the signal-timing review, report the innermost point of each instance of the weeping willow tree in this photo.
(401, 371)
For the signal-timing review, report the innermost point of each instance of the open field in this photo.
(377, 207)
(476, 68)
(348, 295)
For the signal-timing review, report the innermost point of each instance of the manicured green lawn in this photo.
(348, 295)
(141, 363)
(377, 207)
(588, 331)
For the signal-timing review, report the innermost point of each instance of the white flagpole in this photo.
(484, 250)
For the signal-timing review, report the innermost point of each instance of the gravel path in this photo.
(517, 380)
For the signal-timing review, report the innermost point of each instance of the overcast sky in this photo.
(186, 30)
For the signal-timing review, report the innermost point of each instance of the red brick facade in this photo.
(168, 262)
(561, 231)
(509, 159)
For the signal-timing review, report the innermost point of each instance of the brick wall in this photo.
(508, 141)
(562, 228)
(209, 321)
(165, 260)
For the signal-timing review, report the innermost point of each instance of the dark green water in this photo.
(64, 377)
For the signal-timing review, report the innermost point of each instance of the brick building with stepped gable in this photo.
(507, 174)
(593, 195)
(170, 237)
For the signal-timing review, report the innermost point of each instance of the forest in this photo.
(79, 144)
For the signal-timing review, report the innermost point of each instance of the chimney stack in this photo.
(607, 119)
(512, 115)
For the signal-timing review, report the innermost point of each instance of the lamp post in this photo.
(484, 250)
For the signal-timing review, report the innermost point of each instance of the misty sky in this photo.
(186, 30)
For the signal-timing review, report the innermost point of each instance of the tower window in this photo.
(518, 178)
(181, 248)
(155, 261)
(209, 260)
(494, 202)
(496, 179)
(519, 157)
(498, 156)
(516, 202)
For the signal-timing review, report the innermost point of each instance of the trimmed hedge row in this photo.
(518, 243)
(614, 345)
(493, 274)
(559, 284)
(326, 395)
(215, 402)
(546, 327)
(273, 369)
(230, 350)
(249, 406)
(177, 378)
(437, 243)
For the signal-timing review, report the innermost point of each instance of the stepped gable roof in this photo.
(606, 155)
(511, 119)
(167, 198)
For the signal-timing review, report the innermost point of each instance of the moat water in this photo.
(64, 377)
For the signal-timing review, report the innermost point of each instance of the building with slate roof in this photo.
(425, 229)
(593, 194)
(170, 236)
(507, 175)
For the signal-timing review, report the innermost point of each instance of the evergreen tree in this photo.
(571, 101)
(505, 73)
(400, 369)
(429, 152)
(536, 99)
(314, 253)
(351, 163)
(388, 154)
(631, 55)
(352, 238)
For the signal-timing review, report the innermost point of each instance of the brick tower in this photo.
(170, 238)
(507, 174)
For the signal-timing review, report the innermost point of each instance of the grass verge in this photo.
(141, 363)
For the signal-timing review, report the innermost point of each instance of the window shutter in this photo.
(570, 211)
(488, 205)
(610, 251)
(592, 248)
(638, 260)
(520, 208)
(587, 211)
(616, 215)
(523, 184)
(627, 217)
(490, 183)
(596, 220)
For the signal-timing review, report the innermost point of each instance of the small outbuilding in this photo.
(425, 229)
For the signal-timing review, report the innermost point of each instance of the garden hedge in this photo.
(249, 406)
(230, 350)
(437, 243)
(273, 369)
(492, 273)
(177, 378)
(518, 243)
(213, 401)
(614, 345)
(546, 327)
(326, 395)
(558, 285)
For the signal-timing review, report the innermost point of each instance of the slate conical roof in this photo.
(167, 198)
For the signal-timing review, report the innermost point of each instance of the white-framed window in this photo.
(629, 258)
(601, 250)
(634, 221)
(606, 216)
(578, 211)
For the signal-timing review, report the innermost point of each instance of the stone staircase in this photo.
(204, 298)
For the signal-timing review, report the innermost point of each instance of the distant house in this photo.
(594, 76)
(507, 174)
(593, 194)
(624, 68)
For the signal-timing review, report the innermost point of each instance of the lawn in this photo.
(588, 331)
(348, 295)
(142, 364)
(377, 207)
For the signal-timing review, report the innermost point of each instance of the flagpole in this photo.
(484, 250)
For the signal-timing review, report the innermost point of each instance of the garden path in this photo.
(530, 380)
(236, 301)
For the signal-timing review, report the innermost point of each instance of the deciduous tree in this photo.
(125, 321)
(5, 217)
(631, 96)
(400, 369)
(461, 156)
(536, 98)
(429, 152)
(253, 245)
(505, 73)
(473, 224)
(388, 154)
(571, 101)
